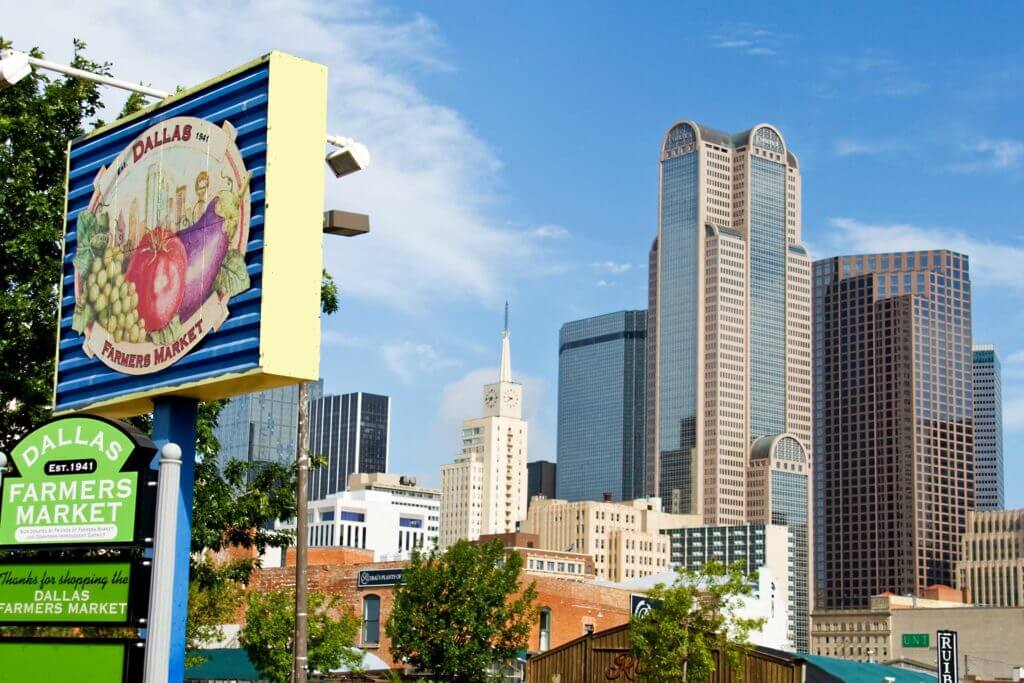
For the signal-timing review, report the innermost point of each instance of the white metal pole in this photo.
(97, 78)
(158, 635)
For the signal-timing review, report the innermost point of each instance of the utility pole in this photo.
(301, 537)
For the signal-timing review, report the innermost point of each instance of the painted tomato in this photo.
(157, 268)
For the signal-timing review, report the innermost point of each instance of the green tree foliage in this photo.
(270, 628)
(38, 117)
(697, 615)
(459, 612)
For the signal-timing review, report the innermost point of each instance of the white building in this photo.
(484, 490)
(385, 513)
(768, 602)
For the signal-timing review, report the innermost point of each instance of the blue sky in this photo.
(515, 153)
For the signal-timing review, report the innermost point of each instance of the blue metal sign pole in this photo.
(174, 420)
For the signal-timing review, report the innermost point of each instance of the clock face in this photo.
(490, 398)
(511, 398)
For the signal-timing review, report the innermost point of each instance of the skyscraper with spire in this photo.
(484, 489)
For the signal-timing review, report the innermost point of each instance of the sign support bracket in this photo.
(174, 421)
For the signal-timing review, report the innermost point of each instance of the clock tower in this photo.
(484, 490)
(504, 398)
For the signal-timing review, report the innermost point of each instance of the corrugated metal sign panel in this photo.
(234, 347)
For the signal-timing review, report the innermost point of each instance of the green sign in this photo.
(916, 640)
(85, 661)
(65, 593)
(74, 481)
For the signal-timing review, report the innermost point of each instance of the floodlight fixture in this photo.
(351, 156)
(14, 66)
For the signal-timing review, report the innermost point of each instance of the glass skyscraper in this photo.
(262, 426)
(894, 422)
(602, 394)
(729, 319)
(988, 429)
(351, 432)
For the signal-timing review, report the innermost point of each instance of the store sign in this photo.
(193, 244)
(371, 578)
(947, 657)
(161, 245)
(86, 593)
(80, 660)
(917, 640)
(73, 481)
(641, 605)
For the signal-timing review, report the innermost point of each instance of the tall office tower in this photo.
(602, 377)
(351, 431)
(484, 490)
(261, 427)
(778, 491)
(541, 476)
(894, 432)
(988, 429)
(730, 315)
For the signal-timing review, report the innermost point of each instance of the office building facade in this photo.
(602, 394)
(988, 429)
(729, 316)
(351, 431)
(484, 489)
(261, 427)
(894, 433)
(991, 564)
(541, 477)
(757, 546)
(384, 513)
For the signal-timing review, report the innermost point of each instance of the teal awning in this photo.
(223, 664)
(861, 672)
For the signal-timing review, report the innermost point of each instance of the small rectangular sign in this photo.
(371, 578)
(87, 593)
(640, 605)
(917, 640)
(81, 660)
(947, 656)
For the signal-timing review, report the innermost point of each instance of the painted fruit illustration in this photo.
(205, 244)
(157, 269)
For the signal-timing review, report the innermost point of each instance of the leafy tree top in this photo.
(459, 612)
(700, 613)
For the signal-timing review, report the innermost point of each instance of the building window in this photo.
(545, 629)
(371, 620)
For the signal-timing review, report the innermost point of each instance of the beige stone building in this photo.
(624, 539)
(729, 319)
(991, 565)
(538, 561)
(901, 630)
(484, 490)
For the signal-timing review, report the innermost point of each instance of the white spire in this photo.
(505, 374)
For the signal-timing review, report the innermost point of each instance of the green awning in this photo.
(223, 664)
(861, 672)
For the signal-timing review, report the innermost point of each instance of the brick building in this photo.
(568, 609)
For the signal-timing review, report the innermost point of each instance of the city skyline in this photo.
(902, 147)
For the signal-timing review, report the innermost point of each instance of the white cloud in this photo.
(613, 267)
(604, 283)
(1013, 413)
(1017, 357)
(550, 232)
(343, 339)
(749, 38)
(463, 400)
(430, 189)
(992, 263)
(992, 155)
(870, 73)
(410, 360)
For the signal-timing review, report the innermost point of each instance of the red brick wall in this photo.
(338, 556)
(573, 605)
